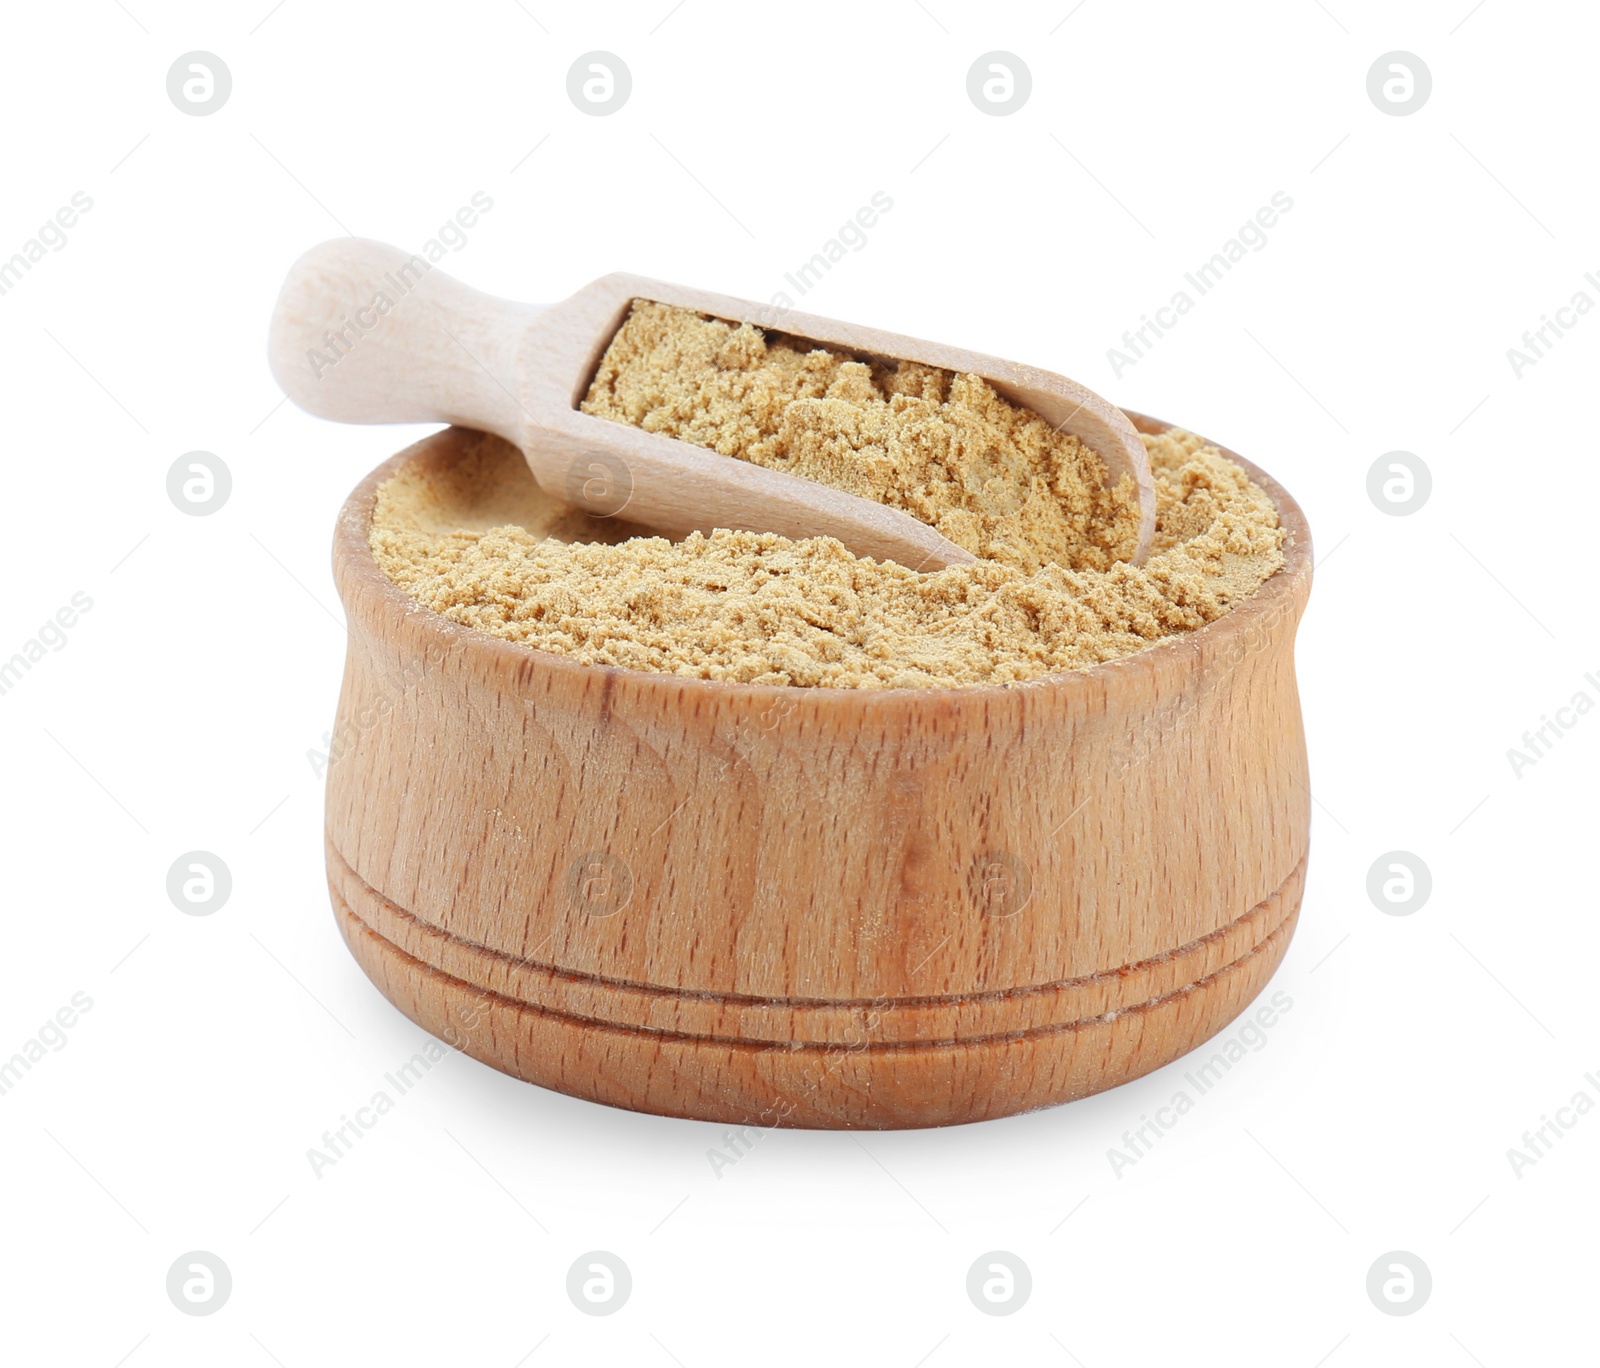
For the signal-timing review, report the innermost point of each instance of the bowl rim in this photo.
(356, 569)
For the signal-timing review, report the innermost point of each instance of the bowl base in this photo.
(808, 1063)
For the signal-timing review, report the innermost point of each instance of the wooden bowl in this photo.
(814, 907)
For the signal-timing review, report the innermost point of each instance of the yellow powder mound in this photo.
(481, 544)
(994, 478)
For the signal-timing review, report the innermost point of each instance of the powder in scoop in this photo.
(990, 476)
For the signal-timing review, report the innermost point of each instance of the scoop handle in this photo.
(368, 333)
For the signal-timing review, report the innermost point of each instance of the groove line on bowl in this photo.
(438, 934)
(903, 1011)
(1283, 929)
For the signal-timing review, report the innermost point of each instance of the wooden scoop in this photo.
(367, 333)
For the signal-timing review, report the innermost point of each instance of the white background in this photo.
(180, 712)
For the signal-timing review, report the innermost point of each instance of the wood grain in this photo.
(815, 907)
